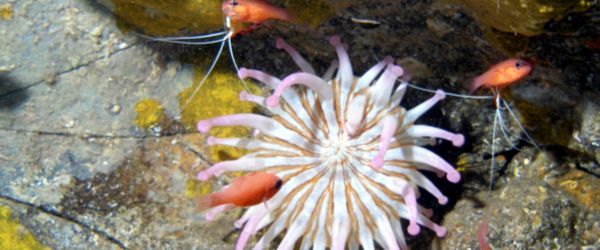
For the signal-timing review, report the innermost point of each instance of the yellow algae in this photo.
(218, 96)
(149, 113)
(312, 13)
(546, 9)
(6, 12)
(522, 17)
(169, 17)
(13, 235)
(582, 186)
(463, 163)
(196, 188)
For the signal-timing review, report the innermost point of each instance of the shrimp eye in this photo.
(234, 3)
(278, 184)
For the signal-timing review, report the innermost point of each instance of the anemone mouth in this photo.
(348, 154)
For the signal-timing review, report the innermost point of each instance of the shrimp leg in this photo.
(505, 130)
(493, 158)
(208, 72)
(512, 114)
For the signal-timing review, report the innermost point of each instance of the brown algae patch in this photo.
(6, 12)
(127, 186)
(168, 17)
(218, 96)
(13, 235)
(150, 113)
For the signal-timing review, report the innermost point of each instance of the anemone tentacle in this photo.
(349, 155)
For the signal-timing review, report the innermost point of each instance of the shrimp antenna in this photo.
(504, 129)
(449, 93)
(231, 55)
(512, 114)
(206, 75)
(433, 91)
(189, 40)
(493, 159)
(227, 38)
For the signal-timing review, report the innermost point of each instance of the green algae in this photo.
(150, 113)
(13, 235)
(168, 17)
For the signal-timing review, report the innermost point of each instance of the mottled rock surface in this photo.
(75, 169)
(78, 174)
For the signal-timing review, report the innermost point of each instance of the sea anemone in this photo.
(348, 153)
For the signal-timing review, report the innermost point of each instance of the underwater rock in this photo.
(561, 170)
(586, 138)
(524, 214)
(76, 64)
(20, 225)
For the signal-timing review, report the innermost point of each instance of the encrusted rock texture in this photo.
(77, 172)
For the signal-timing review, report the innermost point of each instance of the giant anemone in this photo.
(349, 155)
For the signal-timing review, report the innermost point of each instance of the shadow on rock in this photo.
(12, 93)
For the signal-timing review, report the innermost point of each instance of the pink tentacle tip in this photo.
(440, 94)
(377, 162)
(279, 43)
(396, 70)
(413, 228)
(204, 126)
(453, 176)
(242, 73)
(440, 231)
(244, 96)
(272, 101)
(211, 141)
(335, 41)
(239, 223)
(209, 216)
(388, 59)
(202, 176)
(458, 140)
(442, 200)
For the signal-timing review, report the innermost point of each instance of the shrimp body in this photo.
(502, 74)
(497, 77)
(253, 11)
(248, 190)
